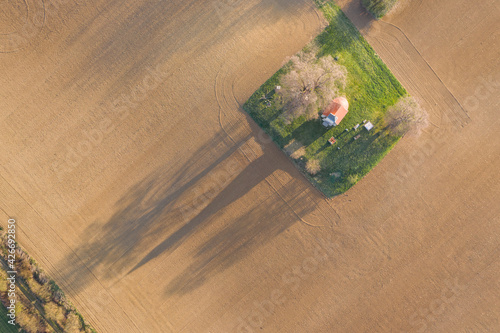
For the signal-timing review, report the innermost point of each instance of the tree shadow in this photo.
(240, 238)
(309, 131)
(149, 207)
(251, 175)
(154, 209)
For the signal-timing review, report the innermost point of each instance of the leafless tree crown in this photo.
(311, 84)
(406, 117)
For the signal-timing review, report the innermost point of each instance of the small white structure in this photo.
(368, 126)
(356, 127)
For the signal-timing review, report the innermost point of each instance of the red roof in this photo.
(337, 110)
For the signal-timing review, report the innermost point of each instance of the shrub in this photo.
(54, 312)
(313, 167)
(378, 8)
(57, 294)
(73, 323)
(352, 179)
(40, 277)
(43, 292)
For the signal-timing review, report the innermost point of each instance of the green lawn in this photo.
(5, 327)
(371, 89)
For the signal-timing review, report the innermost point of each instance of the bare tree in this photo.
(311, 84)
(406, 117)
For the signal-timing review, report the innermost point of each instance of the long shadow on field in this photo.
(266, 218)
(263, 222)
(161, 208)
(253, 228)
(151, 217)
(147, 208)
(238, 239)
(251, 175)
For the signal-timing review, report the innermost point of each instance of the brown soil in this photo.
(172, 212)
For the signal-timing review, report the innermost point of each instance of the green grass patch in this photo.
(371, 88)
(5, 327)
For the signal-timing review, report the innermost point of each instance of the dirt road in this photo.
(158, 206)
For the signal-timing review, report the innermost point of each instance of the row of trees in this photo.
(50, 303)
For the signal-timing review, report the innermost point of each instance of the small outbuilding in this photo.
(335, 112)
(368, 126)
